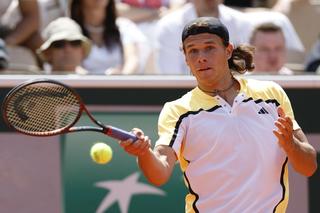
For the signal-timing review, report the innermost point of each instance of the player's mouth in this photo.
(204, 69)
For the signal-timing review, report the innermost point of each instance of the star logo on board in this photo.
(121, 191)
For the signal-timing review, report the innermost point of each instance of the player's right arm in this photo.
(157, 164)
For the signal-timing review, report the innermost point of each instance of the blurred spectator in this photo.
(237, 3)
(146, 14)
(147, 3)
(65, 46)
(292, 39)
(313, 58)
(302, 14)
(270, 49)
(19, 23)
(295, 48)
(51, 10)
(3, 56)
(137, 14)
(169, 58)
(119, 47)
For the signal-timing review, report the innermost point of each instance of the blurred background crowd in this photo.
(125, 37)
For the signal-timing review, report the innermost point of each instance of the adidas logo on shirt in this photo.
(263, 111)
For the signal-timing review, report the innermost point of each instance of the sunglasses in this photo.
(62, 43)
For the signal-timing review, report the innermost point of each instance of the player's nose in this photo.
(202, 58)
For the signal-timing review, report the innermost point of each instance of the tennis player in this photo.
(233, 137)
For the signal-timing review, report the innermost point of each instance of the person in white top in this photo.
(168, 55)
(118, 45)
(233, 137)
(292, 39)
(270, 54)
(51, 10)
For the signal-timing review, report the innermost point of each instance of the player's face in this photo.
(207, 58)
(270, 53)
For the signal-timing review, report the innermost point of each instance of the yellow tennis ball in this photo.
(101, 153)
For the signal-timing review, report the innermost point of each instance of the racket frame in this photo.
(106, 129)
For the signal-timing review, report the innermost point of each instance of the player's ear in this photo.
(184, 53)
(229, 50)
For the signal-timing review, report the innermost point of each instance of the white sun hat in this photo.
(63, 28)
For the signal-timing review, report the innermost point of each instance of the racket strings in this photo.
(42, 108)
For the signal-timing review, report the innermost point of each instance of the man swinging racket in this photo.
(233, 137)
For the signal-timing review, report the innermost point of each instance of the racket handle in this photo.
(120, 134)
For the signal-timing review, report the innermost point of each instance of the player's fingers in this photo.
(140, 146)
(282, 127)
(281, 112)
(145, 147)
(141, 150)
(136, 147)
(126, 143)
(138, 132)
(280, 137)
(286, 123)
(289, 121)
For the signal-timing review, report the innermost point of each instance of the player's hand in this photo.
(138, 147)
(285, 131)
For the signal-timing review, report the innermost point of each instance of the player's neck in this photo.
(228, 91)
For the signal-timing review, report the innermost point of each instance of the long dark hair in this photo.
(111, 33)
(242, 59)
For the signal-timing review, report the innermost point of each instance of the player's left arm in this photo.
(300, 153)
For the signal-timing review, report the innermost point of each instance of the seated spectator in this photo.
(302, 13)
(19, 23)
(239, 4)
(65, 47)
(3, 56)
(292, 39)
(119, 47)
(145, 14)
(169, 57)
(270, 50)
(313, 58)
(147, 3)
(50, 10)
(295, 48)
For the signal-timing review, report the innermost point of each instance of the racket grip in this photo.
(120, 134)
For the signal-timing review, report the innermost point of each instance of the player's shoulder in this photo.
(181, 100)
(180, 105)
(260, 85)
(262, 89)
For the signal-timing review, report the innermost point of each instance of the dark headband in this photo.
(206, 25)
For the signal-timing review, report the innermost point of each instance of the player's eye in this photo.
(209, 48)
(193, 51)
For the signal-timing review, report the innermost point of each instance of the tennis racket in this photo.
(45, 107)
